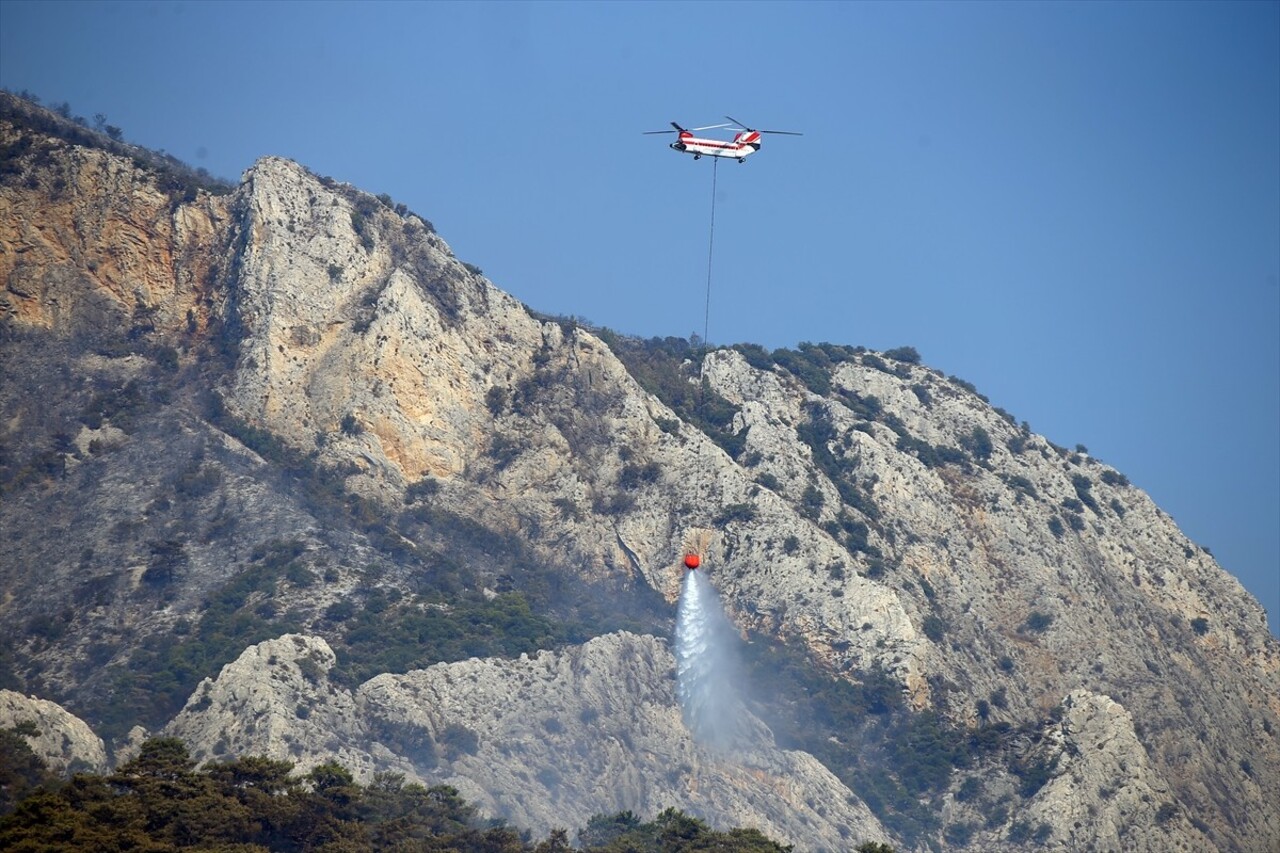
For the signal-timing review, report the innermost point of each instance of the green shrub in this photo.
(866, 406)
(310, 669)
(978, 443)
(458, 740)
(1038, 622)
(1022, 485)
(830, 354)
(958, 834)
(1114, 478)
(932, 456)
(756, 356)
(422, 490)
(904, 354)
(670, 426)
(635, 474)
(969, 386)
(806, 367)
(969, 790)
(1020, 832)
(496, 399)
(769, 481)
(741, 512)
(811, 502)
(1082, 486)
(876, 362)
(1034, 775)
(363, 230)
(168, 559)
(340, 611)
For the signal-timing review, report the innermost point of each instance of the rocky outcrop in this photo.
(276, 699)
(62, 740)
(544, 741)
(1106, 795)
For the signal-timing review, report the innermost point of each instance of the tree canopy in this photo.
(161, 802)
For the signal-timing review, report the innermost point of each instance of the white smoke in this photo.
(707, 666)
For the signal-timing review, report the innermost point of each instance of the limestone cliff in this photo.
(291, 401)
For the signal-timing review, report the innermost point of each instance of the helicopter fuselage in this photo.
(744, 143)
(742, 146)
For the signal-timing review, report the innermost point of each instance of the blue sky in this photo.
(1074, 206)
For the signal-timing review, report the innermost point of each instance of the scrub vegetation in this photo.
(160, 802)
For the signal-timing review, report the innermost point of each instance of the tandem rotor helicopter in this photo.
(745, 142)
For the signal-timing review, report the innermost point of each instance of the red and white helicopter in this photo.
(745, 142)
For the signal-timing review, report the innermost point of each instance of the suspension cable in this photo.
(711, 242)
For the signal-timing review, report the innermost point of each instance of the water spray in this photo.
(707, 665)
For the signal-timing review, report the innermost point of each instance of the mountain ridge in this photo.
(866, 509)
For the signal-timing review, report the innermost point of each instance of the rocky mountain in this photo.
(282, 475)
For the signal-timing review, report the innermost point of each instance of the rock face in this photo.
(109, 250)
(543, 742)
(177, 367)
(1106, 791)
(64, 742)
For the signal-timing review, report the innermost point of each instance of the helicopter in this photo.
(745, 142)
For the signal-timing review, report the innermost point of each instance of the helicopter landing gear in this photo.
(697, 156)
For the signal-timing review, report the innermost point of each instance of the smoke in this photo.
(707, 666)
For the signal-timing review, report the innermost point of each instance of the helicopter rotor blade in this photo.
(649, 132)
(756, 130)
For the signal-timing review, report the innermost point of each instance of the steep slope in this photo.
(290, 408)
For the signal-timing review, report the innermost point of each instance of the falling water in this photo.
(707, 665)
